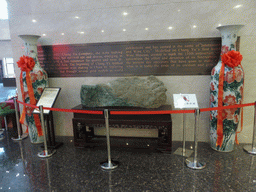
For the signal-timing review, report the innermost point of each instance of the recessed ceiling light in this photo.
(44, 34)
(124, 29)
(219, 25)
(102, 31)
(125, 13)
(76, 17)
(194, 26)
(62, 33)
(170, 28)
(34, 21)
(237, 6)
(146, 29)
(81, 32)
(178, 10)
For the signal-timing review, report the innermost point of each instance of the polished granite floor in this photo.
(78, 169)
(6, 92)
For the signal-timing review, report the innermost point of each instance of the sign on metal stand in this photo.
(184, 101)
(46, 152)
(108, 164)
(24, 135)
(252, 148)
(193, 162)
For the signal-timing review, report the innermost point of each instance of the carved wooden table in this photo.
(83, 126)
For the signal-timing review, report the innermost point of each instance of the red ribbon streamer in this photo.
(231, 59)
(220, 104)
(26, 64)
(22, 117)
(33, 102)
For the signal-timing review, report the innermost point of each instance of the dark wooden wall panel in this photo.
(141, 58)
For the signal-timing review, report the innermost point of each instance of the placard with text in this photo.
(47, 98)
(134, 58)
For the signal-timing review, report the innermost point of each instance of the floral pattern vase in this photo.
(232, 92)
(39, 80)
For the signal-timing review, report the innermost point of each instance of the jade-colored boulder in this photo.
(133, 91)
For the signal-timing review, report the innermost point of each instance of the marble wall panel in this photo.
(72, 22)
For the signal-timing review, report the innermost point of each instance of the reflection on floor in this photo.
(72, 169)
(6, 92)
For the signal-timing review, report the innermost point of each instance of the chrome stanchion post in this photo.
(252, 148)
(109, 164)
(23, 136)
(5, 123)
(183, 151)
(46, 152)
(2, 129)
(184, 136)
(193, 162)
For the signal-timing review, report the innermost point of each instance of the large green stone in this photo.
(133, 91)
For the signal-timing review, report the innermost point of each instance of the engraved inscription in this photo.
(160, 57)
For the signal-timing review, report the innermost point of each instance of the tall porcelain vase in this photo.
(232, 92)
(39, 80)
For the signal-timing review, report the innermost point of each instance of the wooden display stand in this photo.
(50, 133)
(84, 130)
(12, 124)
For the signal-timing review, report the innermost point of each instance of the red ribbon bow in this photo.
(231, 59)
(27, 64)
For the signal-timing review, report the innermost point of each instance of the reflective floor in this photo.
(6, 92)
(72, 169)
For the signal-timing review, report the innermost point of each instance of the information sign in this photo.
(185, 101)
(47, 98)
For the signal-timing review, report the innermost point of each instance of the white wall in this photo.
(5, 49)
(4, 30)
(5, 40)
(57, 17)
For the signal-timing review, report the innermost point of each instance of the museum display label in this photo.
(185, 101)
(47, 98)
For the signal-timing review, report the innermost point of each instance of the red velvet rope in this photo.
(139, 112)
(150, 112)
(63, 110)
(227, 107)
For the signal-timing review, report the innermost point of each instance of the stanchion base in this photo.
(24, 136)
(198, 165)
(2, 134)
(55, 146)
(186, 153)
(49, 154)
(249, 149)
(109, 166)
